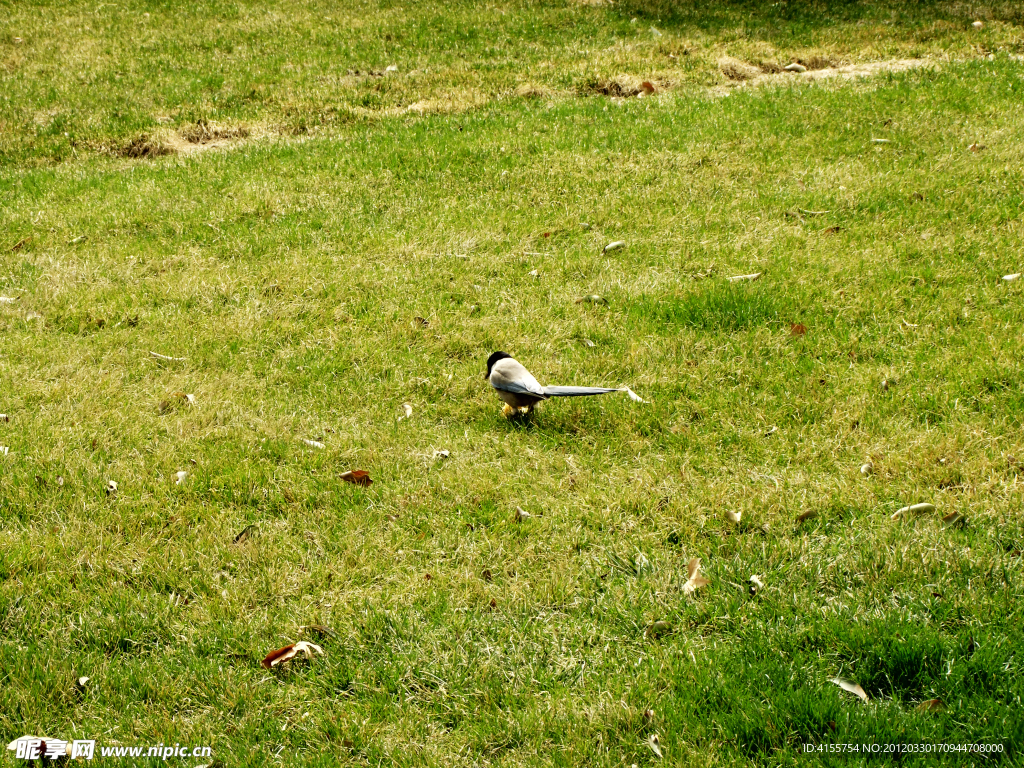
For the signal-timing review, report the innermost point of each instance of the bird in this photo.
(521, 391)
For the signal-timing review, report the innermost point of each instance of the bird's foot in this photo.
(508, 411)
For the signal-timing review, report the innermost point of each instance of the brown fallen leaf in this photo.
(493, 604)
(21, 244)
(422, 321)
(427, 577)
(976, 147)
(357, 476)
(808, 515)
(648, 87)
(797, 329)
(694, 580)
(932, 705)
(832, 230)
(850, 687)
(289, 652)
(486, 574)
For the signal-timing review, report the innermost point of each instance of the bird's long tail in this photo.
(578, 391)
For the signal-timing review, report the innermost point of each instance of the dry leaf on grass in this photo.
(733, 517)
(588, 343)
(914, 509)
(289, 652)
(4, 450)
(111, 488)
(932, 705)
(797, 329)
(742, 278)
(794, 67)
(850, 687)
(954, 518)
(592, 298)
(313, 443)
(179, 477)
(421, 321)
(4, 417)
(977, 24)
(443, 454)
(408, 411)
(357, 476)
(808, 515)
(8, 299)
(81, 682)
(522, 514)
(167, 359)
(648, 87)
(867, 469)
(694, 580)
(1011, 278)
(614, 246)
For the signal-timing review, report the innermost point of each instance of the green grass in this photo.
(288, 269)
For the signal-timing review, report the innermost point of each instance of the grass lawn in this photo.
(318, 241)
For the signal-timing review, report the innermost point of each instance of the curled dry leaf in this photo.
(742, 278)
(522, 514)
(8, 299)
(694, 580)
(932, 705)
(914, 509)
(733, 517)
(588, 343)
(867, 468)
(81, 682)
(179, 477)
(313, 443)
(534, 273)
(794, 67)
(755, 584)
(810, 514)
(289, 652)
(614, 246)
(245, 534)
(357, 476)
(954, 518)
(976, 147)
(421, 321)
(592, 298)
(1011, 278)
(977, 24)
(797, 329)
(850, 687)
(443, 454)
(408, 410)
(648, 86)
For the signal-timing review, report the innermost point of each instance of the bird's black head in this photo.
(492, 360)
